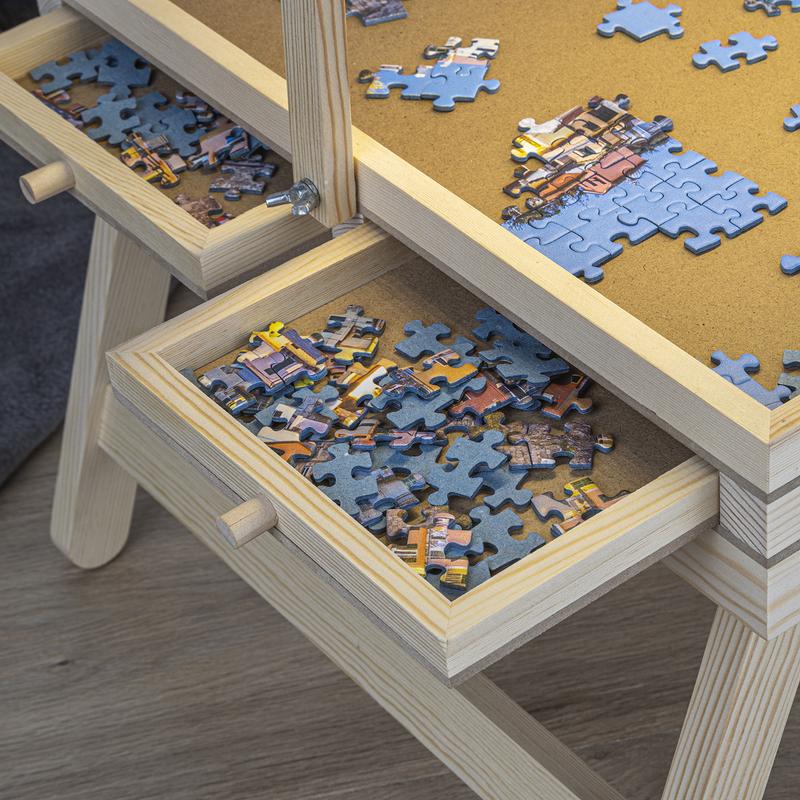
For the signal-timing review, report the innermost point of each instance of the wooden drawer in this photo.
(204, 259)
(675, 495)
(406, 183)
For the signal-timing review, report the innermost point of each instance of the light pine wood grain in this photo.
(126, 292)
(245, 522)
(770, 530)
(46, 182)
(663, 382)
(478, 731)
(455, 639)
(319, 104)
(735, 722)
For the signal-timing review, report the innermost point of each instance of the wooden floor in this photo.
(163, 676)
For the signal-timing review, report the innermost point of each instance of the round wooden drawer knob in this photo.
(46, 182)
(244, 523)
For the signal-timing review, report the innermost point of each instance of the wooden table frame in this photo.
(750, 669)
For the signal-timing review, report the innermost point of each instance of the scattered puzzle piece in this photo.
(393, 492)
(122, 68)
(82, 65)
(738, 372)
(57, 101)
(790, 265)
(772, 8)
(141, 153)
(505, 486)
(561, 398)
(422, 339)
(792, 123)
(740, 45)
(347, 488)
(479, 48)
(642, 21)
(791, 360)
(206, 210)
(242, 177)
(459, 480)
(537, 446)
(582, 500)
(495, 530)
(350, 336)
(417, 411)
(116, 119)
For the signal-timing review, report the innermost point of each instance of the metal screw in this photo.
(303, 197)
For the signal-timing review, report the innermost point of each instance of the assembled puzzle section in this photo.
(209, 165)
(440, 441)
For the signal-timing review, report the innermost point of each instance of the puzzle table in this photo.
(725, 519)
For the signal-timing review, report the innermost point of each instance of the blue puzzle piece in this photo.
(742, 199)
(534, 364)
(463, 82)
(701, 221)
(772, 8)
(122, 68)
(82, 65)
(738, 370)
(792, 123)
(116, 118)
(642, 21)
(150, 108)
(420, 464)
(327, 395)
(495, 530)
(422, 339)
(391, 76)
(348, 487)
(416, 411)
(179, 125)
(790, 265)
(791, 360)
(505, 488)
(740, 45)
(458, 480)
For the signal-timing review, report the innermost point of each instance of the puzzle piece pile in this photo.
(429, 449)
(600, 174)
(458, 74)
(157, 136)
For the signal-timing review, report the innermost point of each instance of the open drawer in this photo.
(205, 259)
(435, 181)
(673, 496)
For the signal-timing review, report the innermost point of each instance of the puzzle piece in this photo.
(227, 140)
(470, 455)
(203, 113)
(206, 210)
(229, 388)
(304, 415)
(583, 499)
(479, 48)
(505, 486)
(792, 123)
(347, 488)
(422, 339)
(350, 336)
(180, 127)
(364, 436)
(391, 76)
(421, 463)
(740, 45)
(149, 108)
(495, 530)
(427, 545)
(141, 153)
(82, 64)
(121, 68)
(57, 101)
(374, 12)
(292, 452)
(242, 177)
(561, 398)
(790, 265)
(524, 359)
(448, 367)
(743, 199)
(642, 21)
(772, 8)
(537, 446)
(416, 411)
(791, 360)
(393, 492)
(738, 372)
(116, 118)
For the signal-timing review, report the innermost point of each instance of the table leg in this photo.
(125, 294)
(737, 714)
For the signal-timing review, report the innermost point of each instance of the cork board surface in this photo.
(420, 291)
(192, 182)
(551, 59)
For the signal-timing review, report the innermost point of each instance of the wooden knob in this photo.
(244, 523)
(47, 182)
